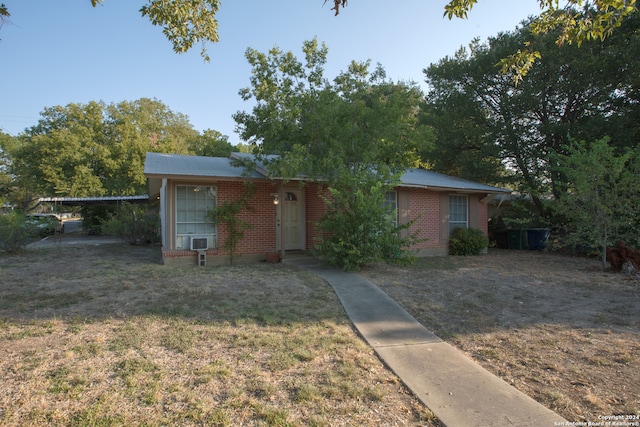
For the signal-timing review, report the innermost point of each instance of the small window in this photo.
(290, 197)
(458, 212)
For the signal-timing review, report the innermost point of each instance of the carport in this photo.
(115, 201)
(93, 201)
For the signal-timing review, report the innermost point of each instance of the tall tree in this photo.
(212, 144)
(358, 118)
(354, 134)
(573, 22)
(5, 177)
(603, 197)
(21, 182)
(95, 149)
(584, 93)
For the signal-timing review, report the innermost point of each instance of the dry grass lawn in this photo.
(107, 336)
(558, 328)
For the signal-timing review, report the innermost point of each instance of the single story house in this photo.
(284, 215)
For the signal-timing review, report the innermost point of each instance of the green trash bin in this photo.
(517, 239)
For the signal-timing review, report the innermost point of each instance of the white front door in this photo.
(293, 206)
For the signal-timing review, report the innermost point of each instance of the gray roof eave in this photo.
(158, 166)
(175, 165)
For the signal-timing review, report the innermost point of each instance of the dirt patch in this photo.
(558, 328)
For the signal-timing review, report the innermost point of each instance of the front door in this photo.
(293, 207)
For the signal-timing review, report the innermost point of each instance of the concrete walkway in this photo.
(458, 391)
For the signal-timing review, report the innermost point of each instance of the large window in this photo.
(458, 212)
(193, 203)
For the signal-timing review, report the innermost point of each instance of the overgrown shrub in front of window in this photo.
(467, 241)
(358, 228)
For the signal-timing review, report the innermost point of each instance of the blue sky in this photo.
(61, 52)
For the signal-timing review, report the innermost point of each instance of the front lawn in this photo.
(558, 328)
(107, 336)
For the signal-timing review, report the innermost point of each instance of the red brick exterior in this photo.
(483, 218)
(315, 209)
(423, 207)
(261, 214)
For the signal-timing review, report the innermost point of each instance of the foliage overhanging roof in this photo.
(159, 165)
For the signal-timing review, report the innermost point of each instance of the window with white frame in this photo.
(391, 203)
(193, 203)
(458, 212)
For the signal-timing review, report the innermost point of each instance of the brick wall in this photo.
(424, 208)
(261, 238)
(257, 241)
(483, 217)
(315, 208)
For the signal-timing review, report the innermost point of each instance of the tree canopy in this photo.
(187, 22)
(359, 118)
(211, 144)
(97, 149)
(602, 200)
(486, 124)
(355, 134)
(5, 177)
(574, 22)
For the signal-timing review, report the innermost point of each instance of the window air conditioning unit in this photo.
(199, 243)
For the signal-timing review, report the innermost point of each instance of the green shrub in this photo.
(467, 241)
(15, 232)
(359, 228)
(135, 224)
(93, 218)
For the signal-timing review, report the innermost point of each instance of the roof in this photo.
(158, 166)
(181, 165)
(422, 178)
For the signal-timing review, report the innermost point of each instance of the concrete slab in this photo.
(461, 392)
(380, 320)
(458, 391)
